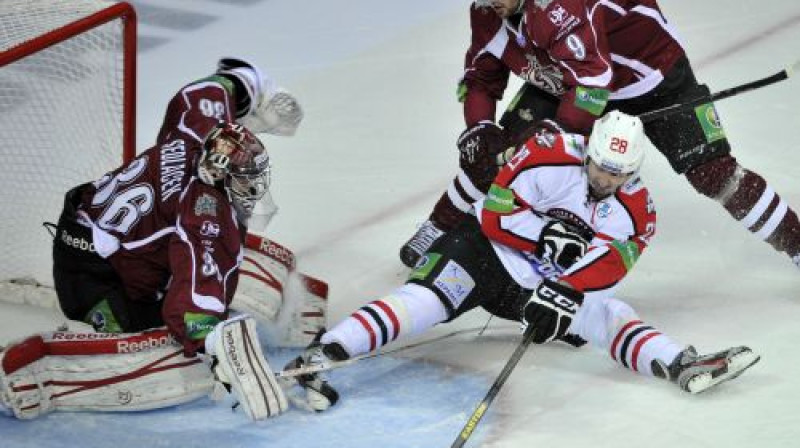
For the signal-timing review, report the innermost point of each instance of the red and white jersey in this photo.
(167, 234)
(623, 46)
(547, 180)
(498, 47)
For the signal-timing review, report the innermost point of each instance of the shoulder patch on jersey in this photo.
(226, 83)
(592, 100)
(629, 252)
(205, 205)
(545, 139)
(499, 199)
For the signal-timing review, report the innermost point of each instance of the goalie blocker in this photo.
(71, 371)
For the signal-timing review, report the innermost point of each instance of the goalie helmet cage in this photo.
(67, 114)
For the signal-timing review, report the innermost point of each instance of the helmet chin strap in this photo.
(520, 6)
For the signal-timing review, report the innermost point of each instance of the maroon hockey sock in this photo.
(445, 214)
(748, 198)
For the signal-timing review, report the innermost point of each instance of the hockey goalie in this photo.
(156, 254)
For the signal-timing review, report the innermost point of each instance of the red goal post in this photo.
(67, 115)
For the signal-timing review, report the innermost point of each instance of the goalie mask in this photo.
(237, 158)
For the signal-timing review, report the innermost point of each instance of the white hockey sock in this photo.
(613, 326)
(409, 310)
(636, 345)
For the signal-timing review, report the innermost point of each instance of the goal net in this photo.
(67, 91)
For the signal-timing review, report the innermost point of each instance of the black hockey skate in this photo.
(319, 395)
(419, 243)
(695, 373)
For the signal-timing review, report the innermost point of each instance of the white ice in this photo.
(376, 149)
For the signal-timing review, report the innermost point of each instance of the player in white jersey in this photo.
(558, 231)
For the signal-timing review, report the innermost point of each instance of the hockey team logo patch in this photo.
(209, 229)
(548, 77)
(455, 283)
(604, 210)
(205, 205)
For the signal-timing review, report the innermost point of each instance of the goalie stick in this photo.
(479, 411)
(722, 94)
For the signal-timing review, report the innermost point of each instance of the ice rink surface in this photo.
(376, 149)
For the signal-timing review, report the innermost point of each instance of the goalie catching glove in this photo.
(264, 107)
(550, 310)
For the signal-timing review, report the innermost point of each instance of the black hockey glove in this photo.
(478, 147)
(561, 243)
(550, 310)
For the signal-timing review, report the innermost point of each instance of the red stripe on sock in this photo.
(392, 316)
(619, 336)
(638, 347)
(372, 337)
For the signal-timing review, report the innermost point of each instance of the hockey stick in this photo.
(478, 413)
(722, 94)
(338, 364)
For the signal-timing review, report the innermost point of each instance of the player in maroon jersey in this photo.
(624, 55)
(497, 49)
(561, 226)
(166, 229)
(159, 242)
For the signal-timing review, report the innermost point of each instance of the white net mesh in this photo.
(61, 115)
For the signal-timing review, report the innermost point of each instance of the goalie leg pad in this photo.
(73, 371)
(241, 365)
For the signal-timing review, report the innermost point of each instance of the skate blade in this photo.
(737, 364)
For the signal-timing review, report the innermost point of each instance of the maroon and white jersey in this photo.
(623, 46)
(167, 234)
(498, 47)
(547, 180)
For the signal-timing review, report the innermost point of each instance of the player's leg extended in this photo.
(459, 273)
(702, 153)
(614, 327)
(751, 201)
